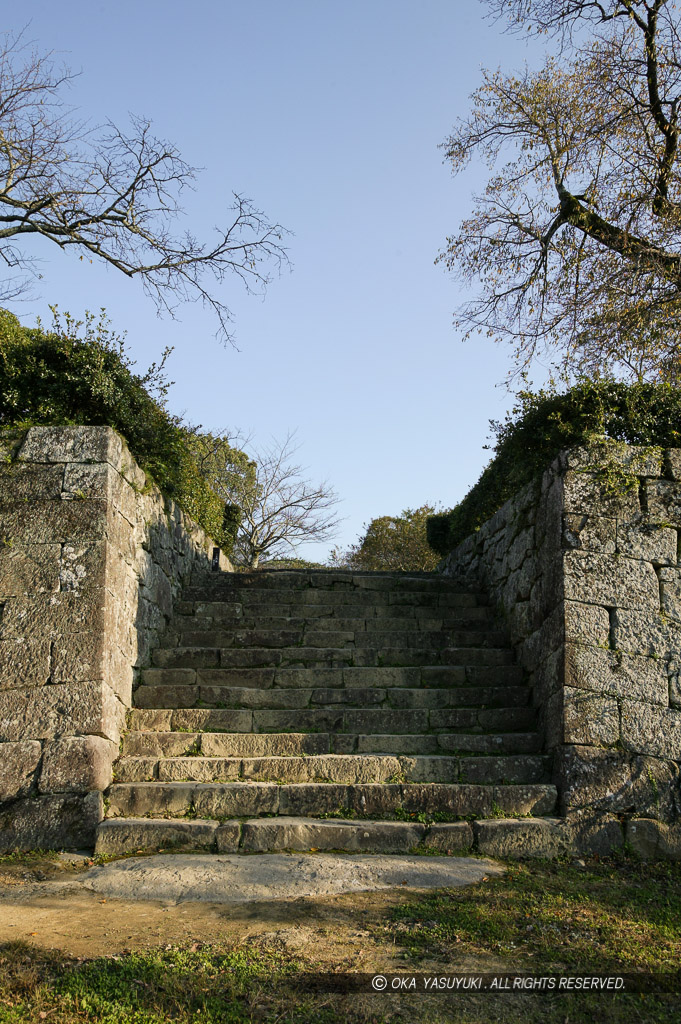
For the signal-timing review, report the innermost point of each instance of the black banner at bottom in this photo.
(492, 983)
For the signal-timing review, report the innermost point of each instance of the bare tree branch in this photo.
(114, 196)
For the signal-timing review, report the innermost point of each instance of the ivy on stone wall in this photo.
(545, 423)
(55, 377)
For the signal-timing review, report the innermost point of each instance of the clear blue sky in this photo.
(328, 115)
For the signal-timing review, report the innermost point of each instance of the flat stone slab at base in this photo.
(234, 878)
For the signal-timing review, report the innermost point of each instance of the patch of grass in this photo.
(197, 984)
(616, 915)
(28, 856)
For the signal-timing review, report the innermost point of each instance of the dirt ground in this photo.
(42, 904)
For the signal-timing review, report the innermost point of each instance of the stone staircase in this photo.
(327, 711)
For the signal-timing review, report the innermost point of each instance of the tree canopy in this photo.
(575, 242)
(113, 195)
(392, 543)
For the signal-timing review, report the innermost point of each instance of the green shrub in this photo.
(545, 423)
(55, 377)
(392, 544)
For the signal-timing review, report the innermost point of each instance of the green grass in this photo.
(609, 917)
(620, 915)
(197, 985)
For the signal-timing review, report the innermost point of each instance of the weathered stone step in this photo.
(268, 599)
(220, 616)
(371, 677)
(389, 800)
(332, 580)
(288, 698)
(118, 836)
(174, 733)
(495, 837)
(310, 657)
(341, 718)
(326, 638)
(344, 768)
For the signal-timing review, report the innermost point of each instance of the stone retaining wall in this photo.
(90, 561)
(585, 564)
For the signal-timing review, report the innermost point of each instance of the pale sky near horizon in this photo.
(329, 116)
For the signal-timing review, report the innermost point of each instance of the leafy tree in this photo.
(392, 543)
(575, 243)
(112, 195)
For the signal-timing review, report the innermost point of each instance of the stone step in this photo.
(288, 698)
(333, 579)
(388, 800)
(326, 638)
(495, 837)
(330, 579)
(310, 657)
(119, 836)
(338, 719)
(168, 734)
(379, 677)
(268, 599)
(344, 768)
(232, 616)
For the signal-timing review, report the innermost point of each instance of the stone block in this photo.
(77, 764)
(646, 633)
(41, 521)
(452, 837)
(83, 566)
(80, 657)
(236, 799)
(595, 832)
(611, 580)
(647, 540)
(670, 593)
(152, 799)
(61, 710)
(28, 569)
(513, 839)
(672, 461)
(83, 480)
(642, 460)
(664, 502)
(457, 801)
(24, 663)
(585, 623)
(590, 533)
(199, 769)
(647, 729)
(227, 837)
(72, 444)
(589, 719)
(586, 493)
(617, 674)
(118, 836)
(136, 769)
(19, 763)
(616, 781)
(305, 834)
(20, 482)
(654, 840)
(47, 615)
(53, 822)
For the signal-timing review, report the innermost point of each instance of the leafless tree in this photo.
(279, 508)
(113, 196)
(575, 243)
